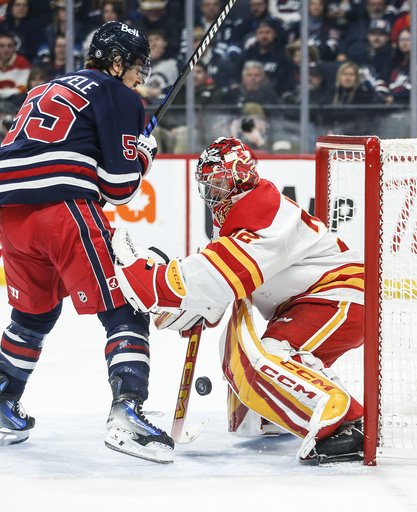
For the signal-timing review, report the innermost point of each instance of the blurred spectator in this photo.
(338, 11)
(215, 60)
(356, 35)
(267, 50)
(374, 60)
(322, 32)
(288, 11)
(403, 21)
(251, 128)
(154, 15)
(227, 51)
(37, 76)
(348, 88)
(56, 66)
(206, 12)
(377, 52)
(205, 90)
(317, 86)
(254, 87)
(14, 68)
(293, 52)
(399, 87)
(364, 8)
(244, 29)
(58, 27)
(164, 68)
(205, 93)
(27, 29)
(110, 10)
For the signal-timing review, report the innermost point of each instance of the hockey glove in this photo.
(146, 284)
(147, 150)
(184, 321)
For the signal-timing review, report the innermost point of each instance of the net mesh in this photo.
(398, 320)
(397, 300)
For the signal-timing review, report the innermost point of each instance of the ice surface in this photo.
(64, 466)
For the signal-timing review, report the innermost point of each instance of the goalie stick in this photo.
(180, 432)
(182, 77)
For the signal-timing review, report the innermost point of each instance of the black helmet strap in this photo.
(115, 54)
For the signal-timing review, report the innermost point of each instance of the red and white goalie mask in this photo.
(225, 169)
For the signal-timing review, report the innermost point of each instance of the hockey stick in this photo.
(182, 77)
(180, 432)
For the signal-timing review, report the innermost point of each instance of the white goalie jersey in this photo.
(269, 247)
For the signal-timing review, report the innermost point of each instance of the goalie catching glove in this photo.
(147, 150)
(184, 321)
(160, 286)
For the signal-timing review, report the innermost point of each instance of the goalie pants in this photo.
(56, 250)
(326, 329)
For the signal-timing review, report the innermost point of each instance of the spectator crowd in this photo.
(358, 51)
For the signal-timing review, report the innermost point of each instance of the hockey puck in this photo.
(203, 386)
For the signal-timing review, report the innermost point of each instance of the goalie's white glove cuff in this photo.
(184, 320)
(124, 249)
(147, 150)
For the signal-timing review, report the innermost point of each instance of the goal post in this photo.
(365, 192)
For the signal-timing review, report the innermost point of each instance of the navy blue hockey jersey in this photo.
(73, 138)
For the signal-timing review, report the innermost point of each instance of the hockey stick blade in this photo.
(180, 432)
(191, 432)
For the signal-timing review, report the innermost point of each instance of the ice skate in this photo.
(131, 433)
(344, 445)
(15, 424)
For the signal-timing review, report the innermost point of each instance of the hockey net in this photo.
(366, 193)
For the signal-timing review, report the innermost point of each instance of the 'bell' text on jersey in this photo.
(73, 138)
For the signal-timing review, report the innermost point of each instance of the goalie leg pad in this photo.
(245, 422)
(296, 397)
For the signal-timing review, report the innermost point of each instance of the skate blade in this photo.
(348, 457)
(124, 442)
(9, 436)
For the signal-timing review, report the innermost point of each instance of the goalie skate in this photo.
(132, 434)
(345, 445)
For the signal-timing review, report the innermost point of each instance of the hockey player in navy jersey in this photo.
(269, 253)
(75, 139)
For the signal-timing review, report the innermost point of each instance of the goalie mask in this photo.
(115, 39)
(226, 168)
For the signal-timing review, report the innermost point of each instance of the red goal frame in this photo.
(372, 151)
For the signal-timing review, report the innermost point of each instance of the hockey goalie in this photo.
(266, 253)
